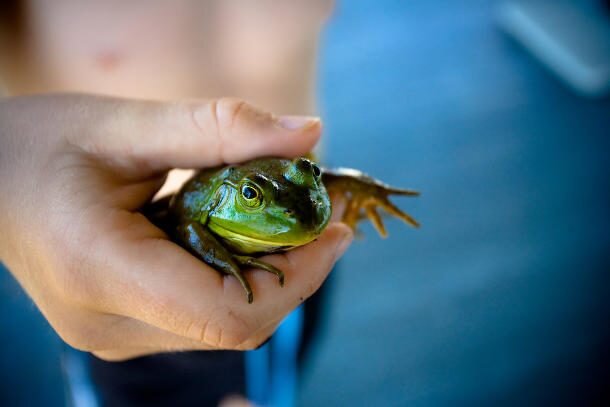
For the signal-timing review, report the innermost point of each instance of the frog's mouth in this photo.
(250, 244)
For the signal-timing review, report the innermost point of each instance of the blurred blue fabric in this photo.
(500, 297)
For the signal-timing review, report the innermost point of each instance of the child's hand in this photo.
(75, 169)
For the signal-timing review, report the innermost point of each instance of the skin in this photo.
(227, 215)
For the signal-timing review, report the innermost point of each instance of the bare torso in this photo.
(261, 51)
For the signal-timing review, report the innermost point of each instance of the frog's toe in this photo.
(390, 190)
(395, 211)
(375, 218)
(248, 261)
(244, 283)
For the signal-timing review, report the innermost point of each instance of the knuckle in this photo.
(225, 330)
(234, 336)
(227, 111)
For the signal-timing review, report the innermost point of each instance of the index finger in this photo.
(154, 136)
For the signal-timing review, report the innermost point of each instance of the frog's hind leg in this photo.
(208, 249)
(364, 196)
(370, 210)
(248, 261)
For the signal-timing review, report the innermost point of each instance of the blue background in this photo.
(500, 297)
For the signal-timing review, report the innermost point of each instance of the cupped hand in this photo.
(76, 169)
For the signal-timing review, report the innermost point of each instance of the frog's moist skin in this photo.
(226, 216)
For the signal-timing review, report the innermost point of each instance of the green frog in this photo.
(229, 216)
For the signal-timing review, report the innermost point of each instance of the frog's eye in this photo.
(248, 192)
(316, 170)
(251, 195)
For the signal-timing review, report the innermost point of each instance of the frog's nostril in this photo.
(307, 165)
(304, 163)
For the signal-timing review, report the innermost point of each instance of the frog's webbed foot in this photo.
(364, 196)
(248, 261)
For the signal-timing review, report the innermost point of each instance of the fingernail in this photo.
(343, 244)
(297, 122)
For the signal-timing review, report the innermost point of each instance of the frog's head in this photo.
(270, 205)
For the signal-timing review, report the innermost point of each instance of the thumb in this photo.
(146, 136)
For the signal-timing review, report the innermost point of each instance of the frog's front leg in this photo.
(249, 261)
(208, 249)
(365, 194)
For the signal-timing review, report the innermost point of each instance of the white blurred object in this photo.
(572, 38)
(175, 179)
